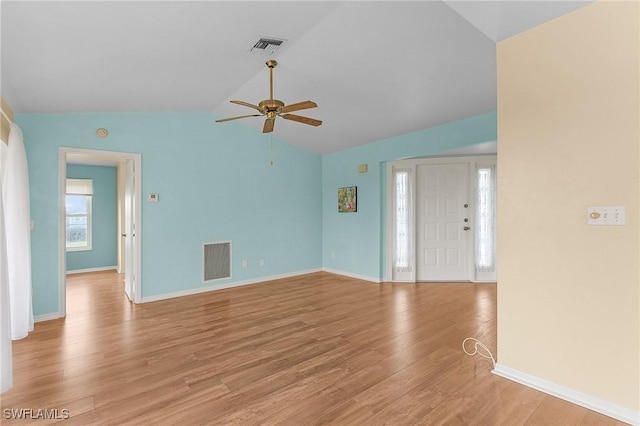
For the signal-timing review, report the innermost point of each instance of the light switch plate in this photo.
(606, 215)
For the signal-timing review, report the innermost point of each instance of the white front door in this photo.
(443, 223)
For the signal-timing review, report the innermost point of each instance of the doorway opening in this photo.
(127, 233)
(440, 224)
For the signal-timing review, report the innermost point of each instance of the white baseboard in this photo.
(350, 275)
(47, 317)
(82, 271)
(222, 286)
(607, 408)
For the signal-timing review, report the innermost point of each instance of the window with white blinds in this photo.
(78, 200)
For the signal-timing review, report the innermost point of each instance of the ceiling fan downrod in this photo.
(271, 63)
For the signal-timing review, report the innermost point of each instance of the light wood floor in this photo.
(315, 349)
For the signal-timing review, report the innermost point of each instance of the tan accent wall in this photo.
(568, 138)
(4, 124)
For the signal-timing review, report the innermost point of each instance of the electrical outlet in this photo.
(261, 263)
(244, 263)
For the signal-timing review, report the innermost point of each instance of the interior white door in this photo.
(443, 223)
(129, 229)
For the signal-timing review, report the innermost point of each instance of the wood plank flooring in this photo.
(310, 350)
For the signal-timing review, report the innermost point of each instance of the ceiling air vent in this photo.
(267, 45)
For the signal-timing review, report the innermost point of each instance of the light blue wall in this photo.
(104, 218)
(215, 183)
(353, 242)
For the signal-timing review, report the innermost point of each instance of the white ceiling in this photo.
(376, 69)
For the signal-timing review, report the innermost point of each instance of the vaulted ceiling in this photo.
(376, 69)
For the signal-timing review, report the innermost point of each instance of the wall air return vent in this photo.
(217, 260)
(267, 45)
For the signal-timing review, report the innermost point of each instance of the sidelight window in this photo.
(486, 219)
(403, 220)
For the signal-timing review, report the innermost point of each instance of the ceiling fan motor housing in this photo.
(271, 105)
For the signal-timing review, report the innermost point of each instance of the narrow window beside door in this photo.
(78, 200)
(485, 219)
(403, 220)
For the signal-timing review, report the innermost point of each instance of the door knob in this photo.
(466, 228)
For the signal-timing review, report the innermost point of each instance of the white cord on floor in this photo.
(481, 345)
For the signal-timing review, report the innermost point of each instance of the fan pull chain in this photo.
(271, 149)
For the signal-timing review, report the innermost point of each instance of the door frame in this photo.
(112, 158)
(413, 163)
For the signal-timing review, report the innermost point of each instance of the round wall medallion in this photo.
(102, 133)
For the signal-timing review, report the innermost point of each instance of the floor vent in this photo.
(217, 260)
(267, 45)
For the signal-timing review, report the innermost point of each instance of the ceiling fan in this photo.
(272, 108)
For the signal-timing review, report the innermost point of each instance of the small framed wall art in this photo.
(347, 199)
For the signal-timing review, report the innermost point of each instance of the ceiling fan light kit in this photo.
(272, 108)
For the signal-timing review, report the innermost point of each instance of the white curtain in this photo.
(17, 224)
(402, 220)
(6, 367)
(486, 218)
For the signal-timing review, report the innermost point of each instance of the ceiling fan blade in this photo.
(298, 106)
(247, 104)
(268, 125)
(222, 120)
(301, 119)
